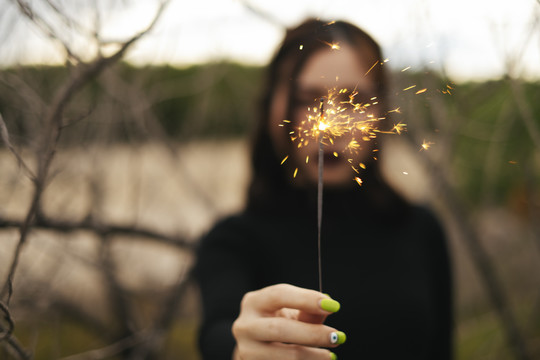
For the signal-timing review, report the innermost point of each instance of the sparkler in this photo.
(340, 114)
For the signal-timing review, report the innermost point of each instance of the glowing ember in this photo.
(333, 46)
(426, 145)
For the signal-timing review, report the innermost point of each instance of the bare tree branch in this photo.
(53, 126)
(15, 348)
(459, 215)
(66, 226)
(457, 212)
(6, 334)
(46, 28)
(4, 135)
(7, 317)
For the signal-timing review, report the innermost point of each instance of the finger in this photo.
(275, 297)
(272, 351)
(301, 316)
(311, 318)
(276, 329)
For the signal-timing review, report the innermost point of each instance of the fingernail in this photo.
(333, 356)
(330, 305)
(338, 337)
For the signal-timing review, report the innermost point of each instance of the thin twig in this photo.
(46, 28)
(4, 135)
(15, 347)
(264, 15)
(110, 350)
(7, 317)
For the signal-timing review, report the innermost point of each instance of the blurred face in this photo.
(325, 70)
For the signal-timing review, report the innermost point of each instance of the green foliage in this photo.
(492, 154)
(211, 100)
(137, 104)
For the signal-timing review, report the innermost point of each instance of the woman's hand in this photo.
(285, 322)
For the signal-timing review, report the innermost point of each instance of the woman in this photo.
(383, 259)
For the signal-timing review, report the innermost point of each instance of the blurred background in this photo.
(124, 135)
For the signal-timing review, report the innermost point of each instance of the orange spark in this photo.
(426, 145)
(371, 68)
(333, 46)
(399, 128)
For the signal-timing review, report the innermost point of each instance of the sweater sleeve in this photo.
(222, 272)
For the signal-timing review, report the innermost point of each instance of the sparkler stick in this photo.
(320, 188)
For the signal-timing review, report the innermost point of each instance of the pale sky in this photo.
(470, 39)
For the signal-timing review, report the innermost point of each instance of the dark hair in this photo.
(269, 182)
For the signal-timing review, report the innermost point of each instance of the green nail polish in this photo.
(341, 337)
(333, 356)
(330, 305)
(338, 337)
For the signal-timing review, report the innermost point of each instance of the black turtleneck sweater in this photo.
(389, 269)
